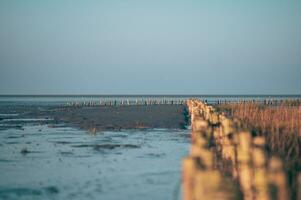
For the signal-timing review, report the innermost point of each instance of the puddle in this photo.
(8, 115)
(13, 193)
(106, 146)
(25, 120)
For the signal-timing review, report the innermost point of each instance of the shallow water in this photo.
(39, 162)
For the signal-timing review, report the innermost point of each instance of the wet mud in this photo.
(46, 153)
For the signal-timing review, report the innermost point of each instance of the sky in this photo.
(150, 47)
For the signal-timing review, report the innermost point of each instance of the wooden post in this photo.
(277, 178)
(188, 178)
(244, 162)
(260, 172)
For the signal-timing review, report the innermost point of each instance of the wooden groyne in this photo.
(227, 162)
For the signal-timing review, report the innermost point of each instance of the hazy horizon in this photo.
(150, 47)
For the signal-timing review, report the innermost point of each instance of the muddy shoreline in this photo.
(122, 117)
(98, 118)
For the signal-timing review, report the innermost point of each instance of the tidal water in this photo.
(38, 162)
(40, 159)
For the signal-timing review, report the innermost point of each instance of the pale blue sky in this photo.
(150, 47)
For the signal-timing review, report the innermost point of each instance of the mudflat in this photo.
(53, 137)
(122, 117)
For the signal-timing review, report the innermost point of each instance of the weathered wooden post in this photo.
(244, 165)
(259, 166)
(277, 178)
(188, 174)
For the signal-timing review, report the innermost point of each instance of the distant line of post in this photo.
(128, 102)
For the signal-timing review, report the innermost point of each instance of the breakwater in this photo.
(227, 162)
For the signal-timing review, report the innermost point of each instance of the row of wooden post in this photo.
(128, 102)
(124, 102)
(227, 162)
